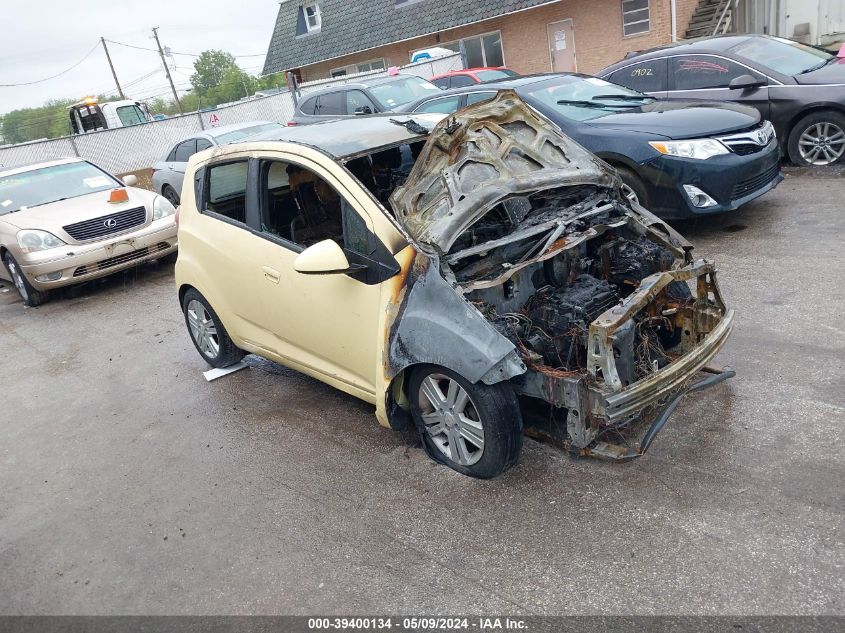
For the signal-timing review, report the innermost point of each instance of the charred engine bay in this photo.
(545, 306)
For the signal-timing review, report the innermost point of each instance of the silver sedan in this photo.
(167, 175)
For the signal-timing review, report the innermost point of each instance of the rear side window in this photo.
(648, 76)
(462, 81)
(443, 82)
(226, 190)
(446, 105)
(309, 106)
(699, 72)
(203, 144)
(185, 150)
(331, 104)
(475, 97)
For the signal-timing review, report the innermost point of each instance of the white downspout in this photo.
(674, 12)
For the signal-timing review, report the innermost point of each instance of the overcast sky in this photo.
(44, 37)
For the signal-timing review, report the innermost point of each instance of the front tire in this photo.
(633, 186)
(170, 193)
(207, 331)
(475, 429)
(818, 139)
(30, 296)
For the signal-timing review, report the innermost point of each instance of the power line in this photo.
(153, 50)
(38, 81)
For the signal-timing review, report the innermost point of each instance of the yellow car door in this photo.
(327, 325)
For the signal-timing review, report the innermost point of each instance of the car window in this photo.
(698, 72)
(493, 75)
(402, 89)
(44, 185)
(356, 99)
(647, 76)
(308, 106)
(462, 81)
(446, 105)
(476, 97)
(203, 143)
(185, 150)
(331, 103)
(573, 97)
(781, 55)
(130, 115)
(171, 157)
(300, 207)
(442, 82)
(226, 190)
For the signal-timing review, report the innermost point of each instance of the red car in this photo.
(471, 76)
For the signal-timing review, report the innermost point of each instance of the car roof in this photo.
(343, 138)
(499, 84)
(715, 44)
(225, 129)
(19, 169)
(366, 83)
(470, 71)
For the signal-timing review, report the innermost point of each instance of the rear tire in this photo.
(818, 139)
(207, 332)
(475, 429)
(30, 296)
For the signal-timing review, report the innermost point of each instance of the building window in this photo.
(362, 67)
(481, 51)
(312, 17)
(635, 17)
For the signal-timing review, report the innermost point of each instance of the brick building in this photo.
(323, 38)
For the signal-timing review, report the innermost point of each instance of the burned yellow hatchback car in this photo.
(479, 277)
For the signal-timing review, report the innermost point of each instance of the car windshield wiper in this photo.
(593, 104)
(817, 66)
(625, 97)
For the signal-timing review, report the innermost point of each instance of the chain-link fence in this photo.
(132, 148)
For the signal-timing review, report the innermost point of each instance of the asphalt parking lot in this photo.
(131, 485)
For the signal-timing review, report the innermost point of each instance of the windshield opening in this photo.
(403, 90)
(51, 184)
(585, 90)
(237, 135)
(782, 56)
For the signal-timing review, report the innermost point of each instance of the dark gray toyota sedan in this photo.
(799, 88)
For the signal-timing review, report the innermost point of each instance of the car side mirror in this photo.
(324, 258)
(745, 82)
(130, 181)
(364, 110)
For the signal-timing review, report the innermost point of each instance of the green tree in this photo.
(210, 69)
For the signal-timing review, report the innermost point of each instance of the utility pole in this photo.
(113, 73)
(167, 71)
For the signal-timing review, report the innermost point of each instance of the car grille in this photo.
(744, 187)
(107, 224)
(749, 142)
(111, 262)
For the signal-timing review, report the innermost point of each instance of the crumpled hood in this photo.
(482, 155)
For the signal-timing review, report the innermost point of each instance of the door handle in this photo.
(271, 274)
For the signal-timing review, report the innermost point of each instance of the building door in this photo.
(562, 46)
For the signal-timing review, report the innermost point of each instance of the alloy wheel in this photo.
(451, 419)
(822, 143)
(203, 330)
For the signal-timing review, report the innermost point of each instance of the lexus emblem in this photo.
(110, 223)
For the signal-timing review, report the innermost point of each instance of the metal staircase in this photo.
(712, 17)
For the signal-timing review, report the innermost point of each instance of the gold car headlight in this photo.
(162, 208)
(33, 240)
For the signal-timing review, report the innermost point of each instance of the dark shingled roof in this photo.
(349, 26)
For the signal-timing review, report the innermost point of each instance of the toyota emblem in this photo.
(761, 137)
(110, 223)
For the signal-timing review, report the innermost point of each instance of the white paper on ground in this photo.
(214, 374)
